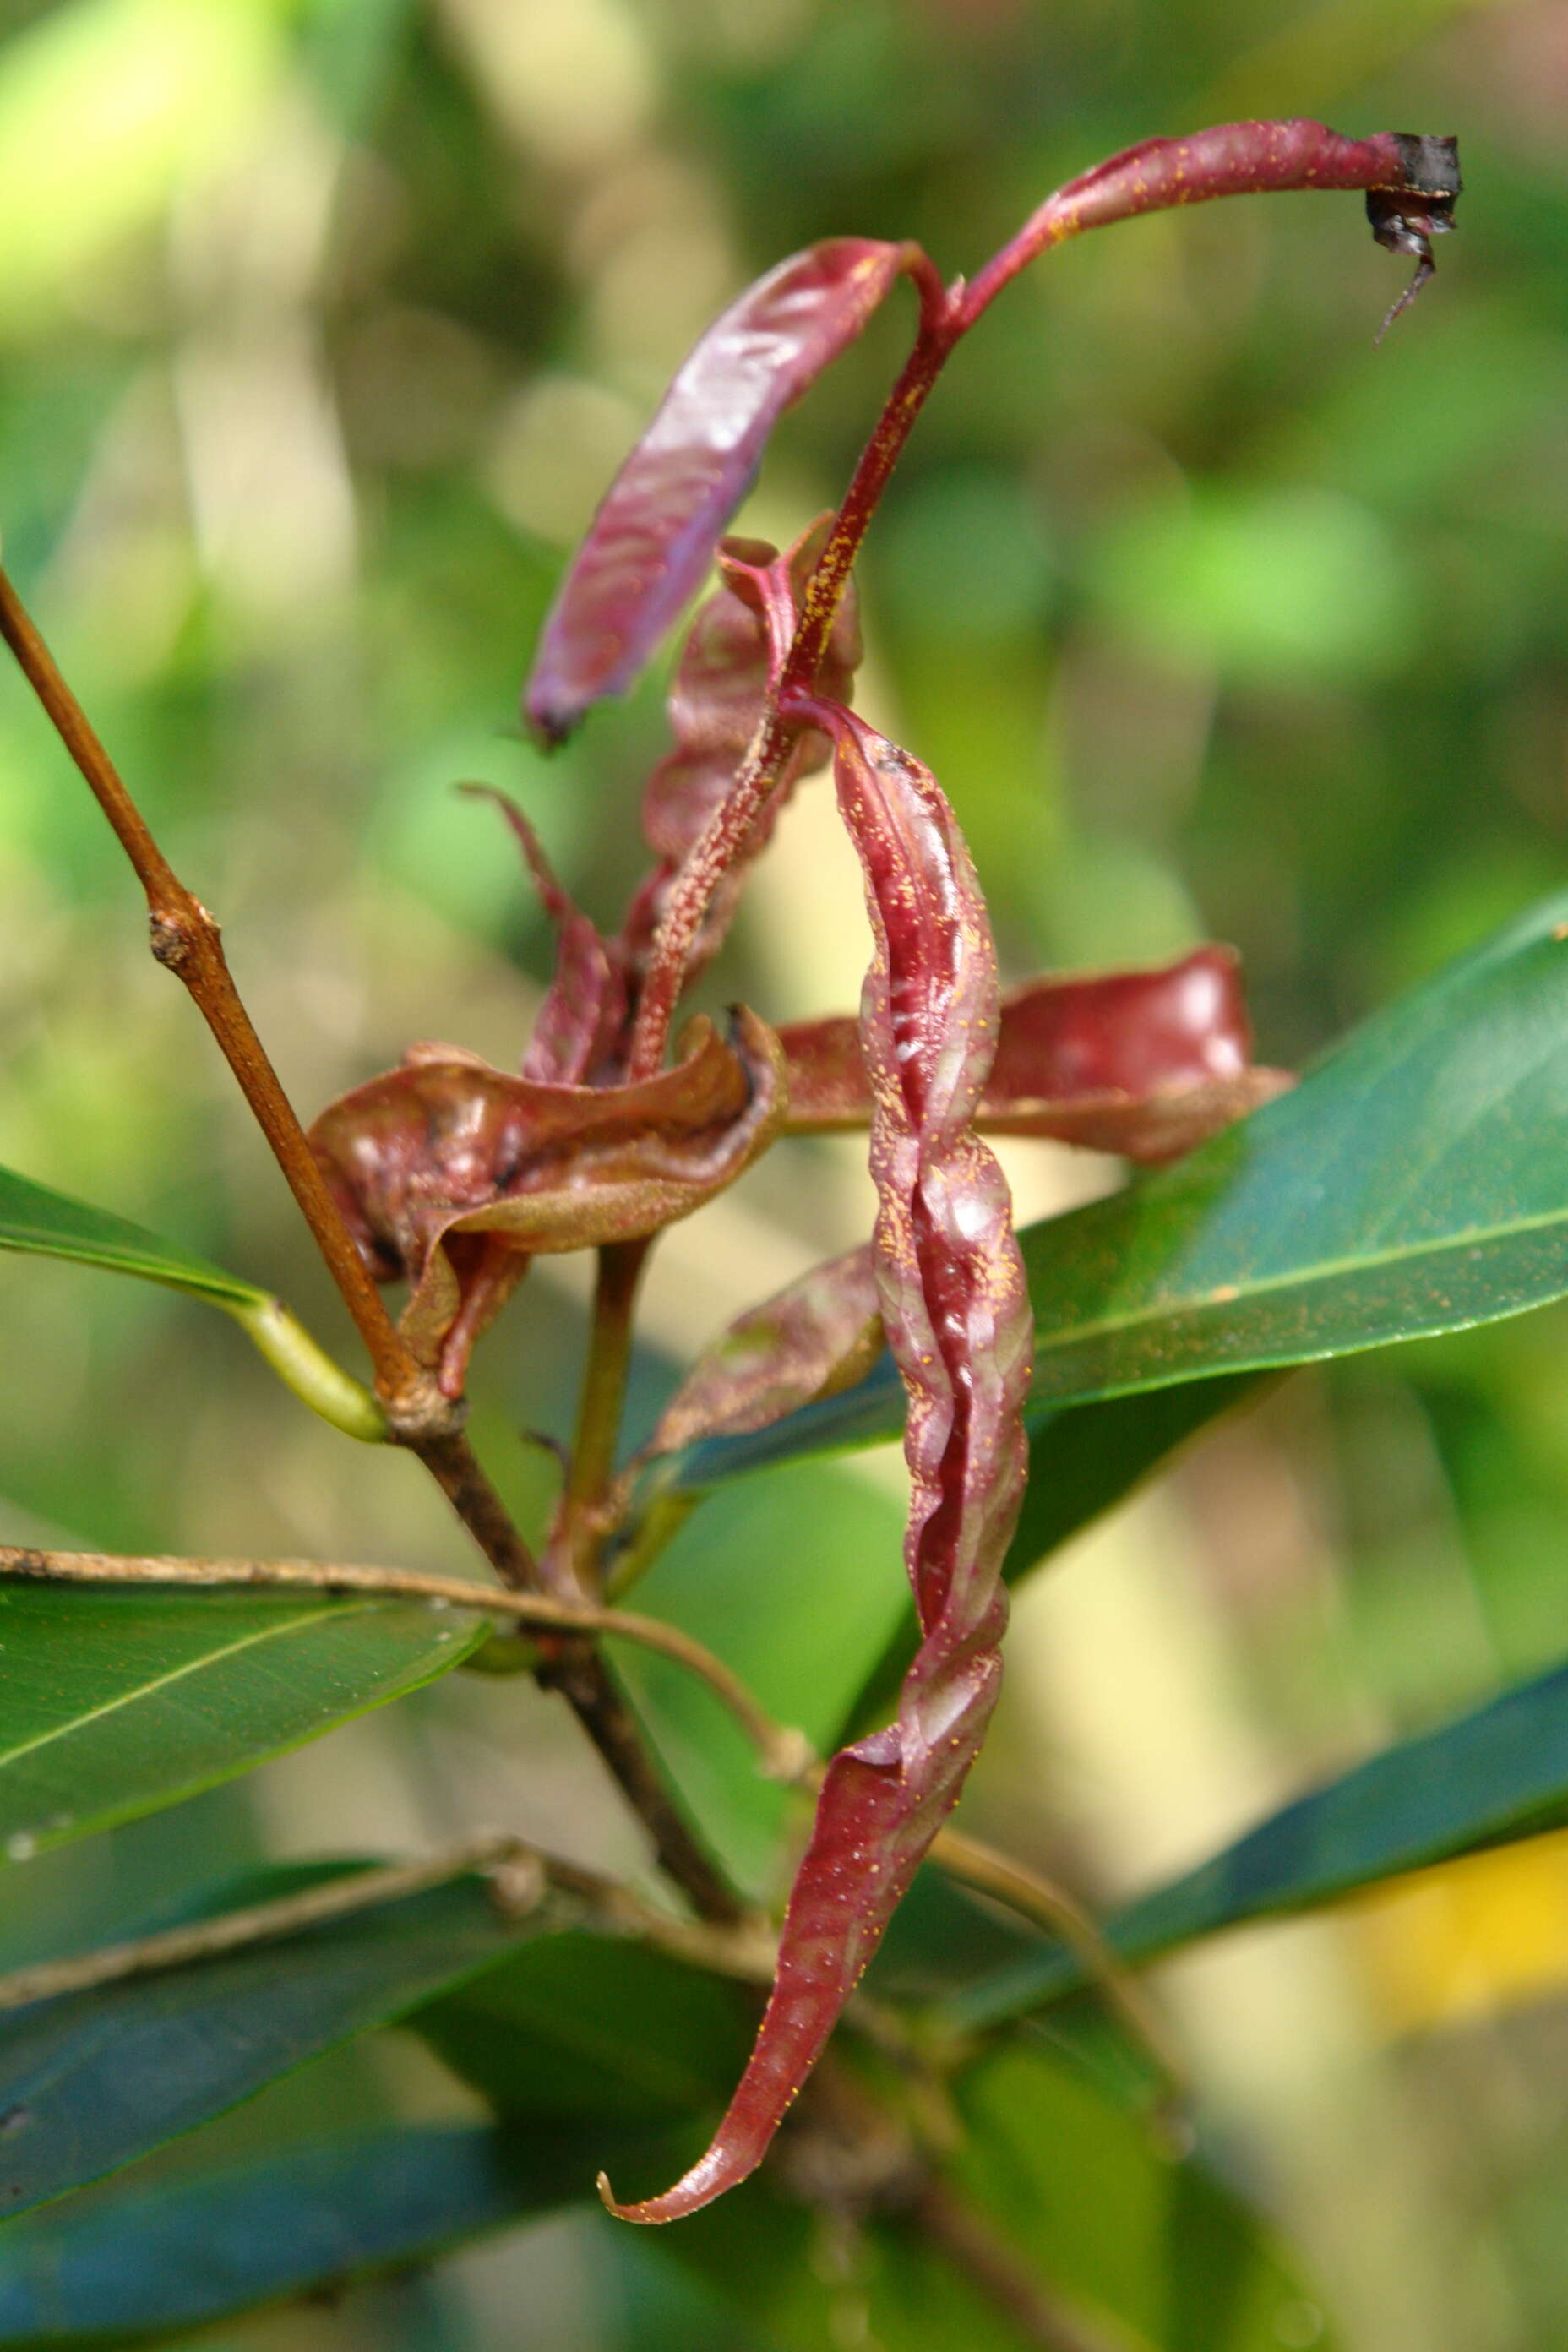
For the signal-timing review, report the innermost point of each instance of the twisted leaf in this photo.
(951, 1287)
(652, 539)
(1146, 1064)
(453, 1174)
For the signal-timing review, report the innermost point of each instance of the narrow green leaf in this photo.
(114, 1703)
(1129, 2245)
(34, 1218)
(151, 2262)
(89, 2080)
(1495, 1775)
(1415, 1182)
(46, 1224)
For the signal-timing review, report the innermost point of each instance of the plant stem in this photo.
(522, 1876)
(186, 940)
(1052, 1908)
(974, 2248)
(728, 829)
(784, 1753)
(593, 1459)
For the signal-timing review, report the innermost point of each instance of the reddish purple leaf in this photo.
(652, 539)
(1145, 1063)
(452, 1175)
(1411, 181)
(956, 1311)
(584, 1007)
(810, 1341)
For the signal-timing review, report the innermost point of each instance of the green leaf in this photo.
(45, 1223)
(1415, 1182)
(1128, 2244)
(113, 1703)
(1495, 1775)
(1078, 2187)
(34, 1218)
(582, 2025)
(91, 2080)
(181, 2254)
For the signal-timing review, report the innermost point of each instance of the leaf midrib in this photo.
(1305, 1278)
(253, 1640)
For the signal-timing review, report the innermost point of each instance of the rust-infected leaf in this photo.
(1146, 1064)
(1412, 181)
(452, 1175)
(811, 1339)
(585, 1008)
(951, 1283)
(653, 537)
(734, 653)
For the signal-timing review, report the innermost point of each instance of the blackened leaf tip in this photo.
(1429, 165)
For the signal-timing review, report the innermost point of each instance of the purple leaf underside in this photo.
(452, 1175)
(1146, 1064)
(652, 539)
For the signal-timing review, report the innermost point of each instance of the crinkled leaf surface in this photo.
(34, 1218)
(155, 2261)
(91, 2080)
(951, 1283)
(1415, 1182)
(1496, 1774)
(652, 540)
(113, 1703)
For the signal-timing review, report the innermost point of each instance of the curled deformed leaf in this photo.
(1412, 181)
(452, 1175)
(1146, 1064)
(951, 1283)
(813, 1338)
(653, 537)
(584, 1007)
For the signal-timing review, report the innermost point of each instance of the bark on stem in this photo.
(186, 938)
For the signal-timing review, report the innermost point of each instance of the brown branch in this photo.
(784, 1754)
(186, 938)
(520, 1876)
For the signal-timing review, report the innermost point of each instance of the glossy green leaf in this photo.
(151, 2262)
(89, 2080)
(34, 1218)
(1131, 2246)
(580, 2025)
(44, 1223)
(115, 1702)
(1415, 1182)
(1495, 1775)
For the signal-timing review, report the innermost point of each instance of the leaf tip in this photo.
(549, 716)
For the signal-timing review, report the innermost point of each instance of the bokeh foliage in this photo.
(323, 323)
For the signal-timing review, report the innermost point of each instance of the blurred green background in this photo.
(322, 325)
